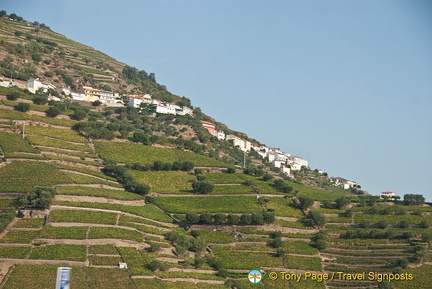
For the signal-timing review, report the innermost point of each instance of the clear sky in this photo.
(345, 84)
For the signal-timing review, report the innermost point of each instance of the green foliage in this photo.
(413, 199)
(39, 198)
(165, 182)
(76, 232)
(22, 106)
(115, 233)
(305, 203)
(202, 187)
(98, 192)
(60, 252)
(148, 155)
(15, 176)
(10, 143)
(83, 216)
(208, 204)
(6, 216)
(317, 218)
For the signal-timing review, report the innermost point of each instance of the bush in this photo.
(39, 198)
(157, 265)
(305, 203)
(321, 244)
(231, 170)
(96, 103)
(317, 218)
(53, 111)
(13, 95)
(40, 100)
(23, 107)
(154, 247)
(202, 187)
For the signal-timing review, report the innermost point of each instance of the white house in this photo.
(54, 98)
(299, 160)
(244, 145)
(220, 135)
(107, 97)
(136, 100)
(187, 110)
(286, 170)
(165, 109)
(5, 83)
(387, 194)
(65, 90)
(278, 163)
(77, 96)
(33, 84)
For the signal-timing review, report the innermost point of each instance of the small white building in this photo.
(301, 161)
(5, 83)
(33, 84)
(220, 135)
(286, 170)
(387, 194)
(244, 145)
(165, 109)
(54, 98)
(64, 90)
(107, 97)
(77, 96)
(187, 110)
(278, 163)
(122, 265)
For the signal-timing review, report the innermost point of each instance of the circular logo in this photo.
(254, 276)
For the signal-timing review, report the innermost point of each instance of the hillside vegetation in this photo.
(177, 210)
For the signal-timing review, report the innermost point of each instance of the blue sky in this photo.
(345, 84)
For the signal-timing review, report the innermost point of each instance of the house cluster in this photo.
(87, 93)
(160, 107)
(285, 161)
(211, 128)
(344, 184)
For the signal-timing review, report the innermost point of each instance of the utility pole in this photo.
(23, 134)
(244, 159)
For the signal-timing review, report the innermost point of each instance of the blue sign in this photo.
(63, 278)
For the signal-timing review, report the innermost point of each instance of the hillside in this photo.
(176, 210)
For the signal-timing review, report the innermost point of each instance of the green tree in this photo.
(80, 114)
(192, 218)
(202, 187)
(40, 99)
(23, 107)
(13, 95)
(199, 244)
(154, 247)
(316, 218)
(205, 218)
(413, 199)
(233, 219)
(305, 203)
(53, 111)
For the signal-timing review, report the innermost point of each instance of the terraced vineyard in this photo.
(175, 236)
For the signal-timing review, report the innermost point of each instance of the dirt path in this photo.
(193, 280)
(40, 262)
(213, 195)
(76, 198)
(59, 207)
(72, 224)
(42, 147)
(91, 242)
(88, 175)
(91, 186)
(88, 159)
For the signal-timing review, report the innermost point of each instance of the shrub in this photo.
(23, 107)
(316, 218)
(231, 170)
(202, 187)
(40, 100)
(154, 247)
(96, 103)
(305, 203)
(53, 111)
(13, 95)
(39, 198)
